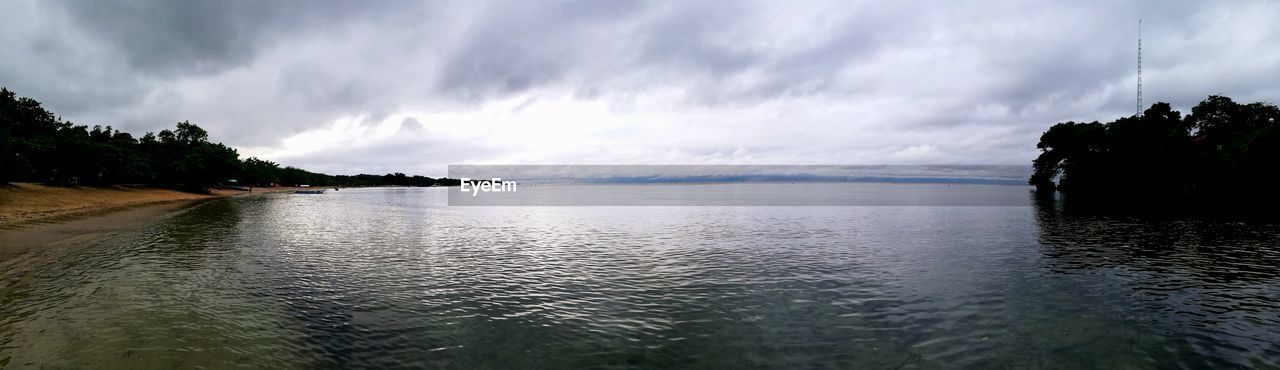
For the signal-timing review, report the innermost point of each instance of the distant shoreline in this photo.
(698, 181)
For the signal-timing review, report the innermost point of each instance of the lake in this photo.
(393, 277)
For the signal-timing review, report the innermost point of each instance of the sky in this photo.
(413, 86)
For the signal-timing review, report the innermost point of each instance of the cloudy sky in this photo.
(350, 87)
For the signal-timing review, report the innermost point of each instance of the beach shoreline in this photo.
(33, 216)
(38, 223)
(24, 204)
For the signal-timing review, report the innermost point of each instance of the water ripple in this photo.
(392, 278)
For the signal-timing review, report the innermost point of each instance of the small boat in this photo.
(305, 189)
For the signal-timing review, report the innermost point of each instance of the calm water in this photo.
(394, 278)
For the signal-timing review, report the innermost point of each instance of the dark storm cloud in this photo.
(199, 37)
(255, 72)
(121, 62)
(410, 125)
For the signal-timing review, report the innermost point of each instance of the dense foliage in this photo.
(1222, 150)
(35, 145)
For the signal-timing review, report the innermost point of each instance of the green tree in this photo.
(35, 145)
(1221, 150)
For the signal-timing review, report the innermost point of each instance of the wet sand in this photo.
(22, 203)
(32, 244)
(71, 230)
(33, 215)
(39, 223)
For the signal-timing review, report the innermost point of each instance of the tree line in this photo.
(1223, 150)
(37, 146)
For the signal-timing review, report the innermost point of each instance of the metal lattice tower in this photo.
(1139, 110)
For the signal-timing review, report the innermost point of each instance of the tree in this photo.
(35, 145)
(1221, 150)
(260, 172)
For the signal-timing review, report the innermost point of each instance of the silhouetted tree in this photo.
(1221, 150)
(35, 145)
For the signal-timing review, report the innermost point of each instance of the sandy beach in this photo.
(22, 203)
(34, 215)
(39, 223)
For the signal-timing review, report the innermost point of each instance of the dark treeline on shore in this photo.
(1222, 151)
(36, 146)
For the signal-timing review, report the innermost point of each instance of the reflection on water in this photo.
(392, 277)
(1208, 287)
